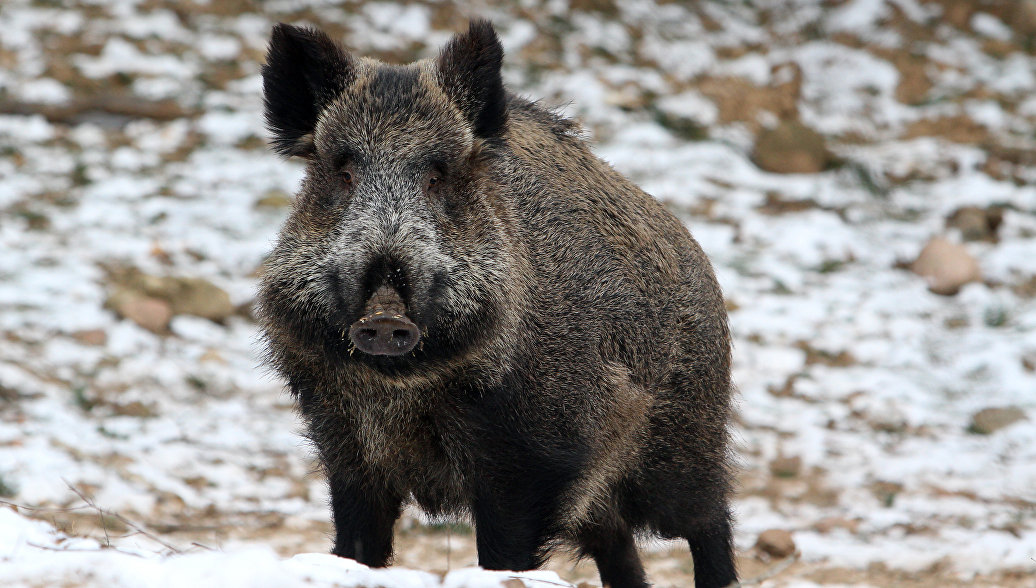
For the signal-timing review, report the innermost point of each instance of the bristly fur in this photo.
(469, 72)
(305, 70)
(571, 388)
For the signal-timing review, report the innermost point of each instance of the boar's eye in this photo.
(348, 175)
(434, 182)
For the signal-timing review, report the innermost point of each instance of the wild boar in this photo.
(476, 314)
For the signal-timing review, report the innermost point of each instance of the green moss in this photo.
(81, 399)
(684, 128)
(995, 316)
(7, 489)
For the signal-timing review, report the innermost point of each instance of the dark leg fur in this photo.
(363, 522)
(615, 553)
(521, 477)
(712, 547)
(508, 538)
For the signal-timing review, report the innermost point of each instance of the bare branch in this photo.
(552, 583)
(132, 525)
(52, 548)
(777, 569)
(43, 509)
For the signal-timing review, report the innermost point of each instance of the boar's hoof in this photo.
(380, 334)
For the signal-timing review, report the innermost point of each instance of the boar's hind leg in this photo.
(615, 553)
(712, 547)
(363, 522)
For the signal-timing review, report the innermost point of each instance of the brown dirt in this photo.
(440, 548)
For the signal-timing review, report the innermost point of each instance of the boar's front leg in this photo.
(510, 530)
(516, 505)
(520, 472)
(363, 516)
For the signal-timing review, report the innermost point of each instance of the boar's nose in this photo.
(384, 335)
(385, 329)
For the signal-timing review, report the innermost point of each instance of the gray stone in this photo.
(791, 148)
(946, 266)
(777, 543)
(990, 420)
(149, 312)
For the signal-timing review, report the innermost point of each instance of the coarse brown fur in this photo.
(572, 383)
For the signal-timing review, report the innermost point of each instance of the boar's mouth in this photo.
(385, 328)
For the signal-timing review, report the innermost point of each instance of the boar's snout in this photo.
(385, 329)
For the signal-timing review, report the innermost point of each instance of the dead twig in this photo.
(43, 509)
(776, 569)
(129, 524)
(51, 510)
(52, 548)
(552, 583)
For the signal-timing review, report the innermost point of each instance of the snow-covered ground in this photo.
(131, 144)
(44, 557)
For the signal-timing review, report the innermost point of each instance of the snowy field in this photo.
(887, 428)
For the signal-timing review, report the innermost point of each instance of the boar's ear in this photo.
(305, 70)
(469, 73)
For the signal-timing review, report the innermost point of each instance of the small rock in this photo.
(786, 467)
(1025, 288)
(886, 492)
(605, 6)
(957, 128)
(990, 420)
(134, 409)
(785, 390)
(914, 83)
(150, 313)
(814, 356)
(776, 204)
(791, 148)
(212, 355)
(958, 12)
(946, 266)
(246, 310)
(976, 224)
(197, 297)
(93, 337)
(184, 295)
(739, 100)
(828, 524)
(159, 253)
(777, 543)
(626, 98)
(1023, 20)
(1029, 362)
(274, 199)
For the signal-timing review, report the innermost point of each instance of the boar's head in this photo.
(395, 253)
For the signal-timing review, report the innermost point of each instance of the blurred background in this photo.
(861, 172)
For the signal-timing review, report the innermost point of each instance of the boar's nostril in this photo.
(384, 335)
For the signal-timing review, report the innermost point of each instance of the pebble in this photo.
(777, 543)
(946, 266)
